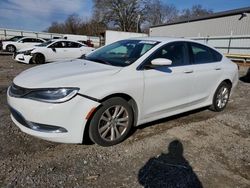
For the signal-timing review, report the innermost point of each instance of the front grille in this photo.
(16, 91)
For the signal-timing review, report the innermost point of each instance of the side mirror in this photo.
(161, 62)
(53, 49)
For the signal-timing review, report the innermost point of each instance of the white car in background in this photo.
(124, 84)
(20, 43)
(52, 50)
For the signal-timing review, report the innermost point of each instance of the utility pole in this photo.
(138, 22)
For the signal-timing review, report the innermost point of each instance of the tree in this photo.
(121, 14)
(73, 24)
(56, 28)
(157, 12)
(195, 11)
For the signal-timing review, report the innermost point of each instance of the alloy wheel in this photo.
(113, 123)
(222, 97)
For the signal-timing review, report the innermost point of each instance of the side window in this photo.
(39, 40)
(217, 55)
(202, 54)
(60, 44)
(145, 48)
(27, 40)
(176, 52)
(73, 45)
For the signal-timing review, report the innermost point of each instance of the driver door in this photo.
(57, 51)
(168, 88)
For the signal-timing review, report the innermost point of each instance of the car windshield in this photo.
(45, 43)
(121, 53)
(16, 38)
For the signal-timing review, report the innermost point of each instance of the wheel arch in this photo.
(6, 47)
(35, 54)
(228, 81)
(124, 96)
(131, 101)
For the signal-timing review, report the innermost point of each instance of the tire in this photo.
(221, 97)
(111, 123)
(38, 58)
(11, 48)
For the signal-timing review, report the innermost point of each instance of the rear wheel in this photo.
(221, 97)
(38, 58)
(111, 123)
(11, 48)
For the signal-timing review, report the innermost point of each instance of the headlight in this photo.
(52, 95)
(28, 52)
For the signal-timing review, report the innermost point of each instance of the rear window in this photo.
(203, 54)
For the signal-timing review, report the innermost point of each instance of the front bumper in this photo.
(22, 58)
(47, 120)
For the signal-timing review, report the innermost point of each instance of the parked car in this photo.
(118, 86)
(19, 43)
(52, 50)
(15, 38)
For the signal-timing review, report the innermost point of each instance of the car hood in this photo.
(64, 74)
(8, 42)
(25, 49)
(33, 48)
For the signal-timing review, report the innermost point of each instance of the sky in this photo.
(37, 15)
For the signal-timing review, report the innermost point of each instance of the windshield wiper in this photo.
(99, 61)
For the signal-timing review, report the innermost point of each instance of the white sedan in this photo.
(53, 50)
(20, 43)
(118, 86)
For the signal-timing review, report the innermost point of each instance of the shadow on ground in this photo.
(169, 170)
(246, 78)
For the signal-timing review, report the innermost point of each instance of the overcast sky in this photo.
(37, 15)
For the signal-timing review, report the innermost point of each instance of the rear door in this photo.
(73, 50)
(207, 67)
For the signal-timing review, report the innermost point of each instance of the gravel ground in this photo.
(195, 149)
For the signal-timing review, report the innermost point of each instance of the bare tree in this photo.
(72, 24)
(123, 14)
(195, 11)
(56, 28)
(157, 12)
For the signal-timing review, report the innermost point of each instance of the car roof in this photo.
(163, 39)
(31, 37)
(172, 39)
(57, 40)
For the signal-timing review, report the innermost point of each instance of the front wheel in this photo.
(10, 48)
(38, 58)
(221, 97)
(111, 123)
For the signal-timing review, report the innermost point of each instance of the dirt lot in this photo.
(200, 148)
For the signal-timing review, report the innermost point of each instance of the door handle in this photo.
(188, 71)
(218, 68)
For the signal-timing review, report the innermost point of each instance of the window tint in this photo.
(121, 53)
(38, 40)
(202, 54)
(28, 40)
(217, 55)
(176, 52)
(61, 44)
(73, 45)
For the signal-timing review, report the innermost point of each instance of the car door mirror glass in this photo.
(161, 62)
(53, 49)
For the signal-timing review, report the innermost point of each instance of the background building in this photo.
(228, 31)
